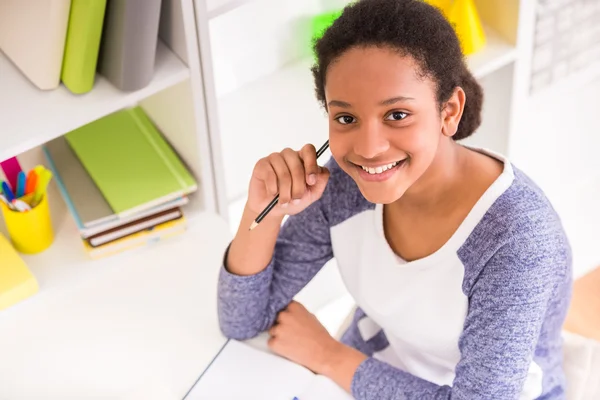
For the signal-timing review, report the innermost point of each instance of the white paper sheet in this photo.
(241, 372)
(322, 388)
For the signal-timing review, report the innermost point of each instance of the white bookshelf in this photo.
(167, 287)
(175, 101)
(219, 7)
(31, 117)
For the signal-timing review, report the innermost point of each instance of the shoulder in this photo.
(520, 233)
(342, 198)
(524, 212)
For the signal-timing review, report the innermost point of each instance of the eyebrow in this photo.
(338, 103)
(393, 100)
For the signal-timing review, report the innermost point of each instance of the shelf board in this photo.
(130, 318)
(65, 263)
(31, 117)
(496, 54)
(280, 110)
(146, 315)
(219, 7)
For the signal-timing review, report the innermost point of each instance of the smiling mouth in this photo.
(382, 168)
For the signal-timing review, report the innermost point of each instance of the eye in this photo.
(345, 119)
(396, 116)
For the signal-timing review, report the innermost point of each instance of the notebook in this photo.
(16, 281)
(243, 372)
(91, 212)
(130, 228)
(130, 161)
(138, 239)
(82, 45)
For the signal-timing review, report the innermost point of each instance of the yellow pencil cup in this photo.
(30, 231)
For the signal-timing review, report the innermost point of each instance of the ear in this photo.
(452, 112)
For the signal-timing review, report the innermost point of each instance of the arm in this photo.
(353, 338)
(508, 304)
(248, 304)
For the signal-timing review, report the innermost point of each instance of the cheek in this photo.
(339, 146)
(417, 139)
(421, 145)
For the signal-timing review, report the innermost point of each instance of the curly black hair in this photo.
(413, 28)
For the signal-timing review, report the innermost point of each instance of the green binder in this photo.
(130, 161)
(82, 45)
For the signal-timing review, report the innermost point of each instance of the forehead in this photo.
(375, 73)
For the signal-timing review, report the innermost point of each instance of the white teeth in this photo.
(379, 170)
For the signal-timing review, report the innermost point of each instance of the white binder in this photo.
(32, 36)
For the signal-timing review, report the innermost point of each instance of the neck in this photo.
(439, 181)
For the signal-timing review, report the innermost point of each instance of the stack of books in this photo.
(121, 180)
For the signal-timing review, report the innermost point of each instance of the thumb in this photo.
(319, 187)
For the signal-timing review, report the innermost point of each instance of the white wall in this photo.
(260, 37)
(559, 147)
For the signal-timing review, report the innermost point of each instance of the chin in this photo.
(381, 196)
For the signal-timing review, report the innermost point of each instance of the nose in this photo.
(371, 141)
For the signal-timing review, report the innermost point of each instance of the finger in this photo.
(292, 305)
(273, 331)
(308, 154)
(282, 317)
(284, 178)
(296, 167)
(322, 179)
(266, 173)
(295, 308)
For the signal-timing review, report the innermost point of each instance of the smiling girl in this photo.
(457, 262)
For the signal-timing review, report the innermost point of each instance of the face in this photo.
(385, 124)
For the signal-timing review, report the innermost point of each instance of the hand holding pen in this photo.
(286, 183)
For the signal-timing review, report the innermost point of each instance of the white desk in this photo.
(143, 329)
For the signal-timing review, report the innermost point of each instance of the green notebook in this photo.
(130, 162)
(83, 44)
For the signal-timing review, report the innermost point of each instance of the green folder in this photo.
(130, 161)
(82, 44)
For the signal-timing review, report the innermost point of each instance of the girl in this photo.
(458, 264)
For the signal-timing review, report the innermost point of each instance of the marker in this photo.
(7, 192)
(40, 190)
(20, 205)
(38, 169)
(31, 182)
(11, 168)
(8, 204)
(20, 192)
